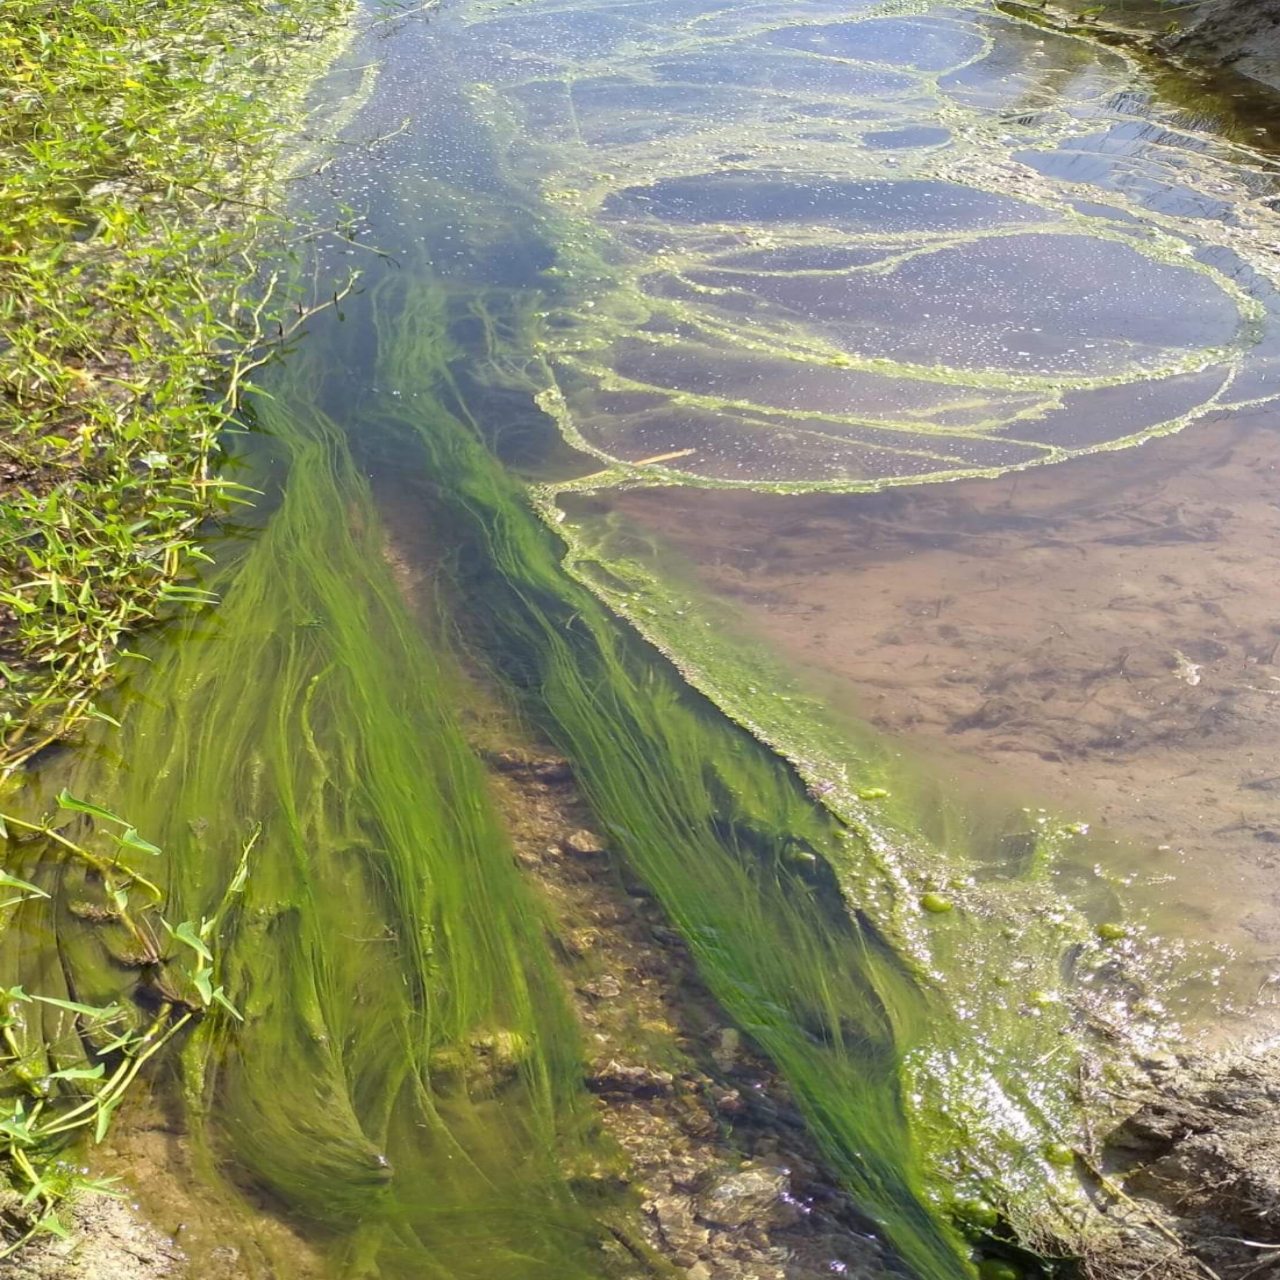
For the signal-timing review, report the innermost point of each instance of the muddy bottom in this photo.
(109, 1240)
(1101, 637)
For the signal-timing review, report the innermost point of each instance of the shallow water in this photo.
(1049, 258)
(800, 247)
(1100, 637)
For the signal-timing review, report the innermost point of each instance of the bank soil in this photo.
(1199, 1164)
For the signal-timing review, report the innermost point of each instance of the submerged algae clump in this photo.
(708, 818)
(381, 948)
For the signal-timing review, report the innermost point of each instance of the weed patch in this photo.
(138, 144)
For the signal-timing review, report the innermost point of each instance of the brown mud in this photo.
(1103, 635)
(1200, 1175)
(109, 1240)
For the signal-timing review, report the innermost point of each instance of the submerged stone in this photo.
(583, 842)
(761, 1196)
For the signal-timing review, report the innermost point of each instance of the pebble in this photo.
(582, 842)
(606, 987)
(761, 1196)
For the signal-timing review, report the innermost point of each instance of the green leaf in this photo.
(104, 1118)
(186, 932)
(37, 1188)
(17, 1126)
(54, 1226)
(204, 985)
(102, 1187)
(89, 1011)
(15, 883)
(221, 997)
(126, 1040)
(4, 830)
(79, 1073)
(98, 714)
(132, 840)
(67, 801)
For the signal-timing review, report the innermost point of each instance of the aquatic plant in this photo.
(66, 1065)
(402, 1074)
(718, 827)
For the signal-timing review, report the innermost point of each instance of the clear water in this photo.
(665, 246)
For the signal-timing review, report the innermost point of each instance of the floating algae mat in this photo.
(802, 246)
(837, 246)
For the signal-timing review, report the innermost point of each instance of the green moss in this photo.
(997, 1269)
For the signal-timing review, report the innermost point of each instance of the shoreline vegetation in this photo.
(139, 144)
(142, 145)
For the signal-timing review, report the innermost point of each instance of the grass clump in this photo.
(136, 146)
(139, 141)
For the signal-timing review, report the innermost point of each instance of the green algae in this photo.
(971, 1055)
(379, 940)
(296, 744)
(381, 943)
(708, 818)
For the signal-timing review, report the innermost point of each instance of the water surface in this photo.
(661, 244)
